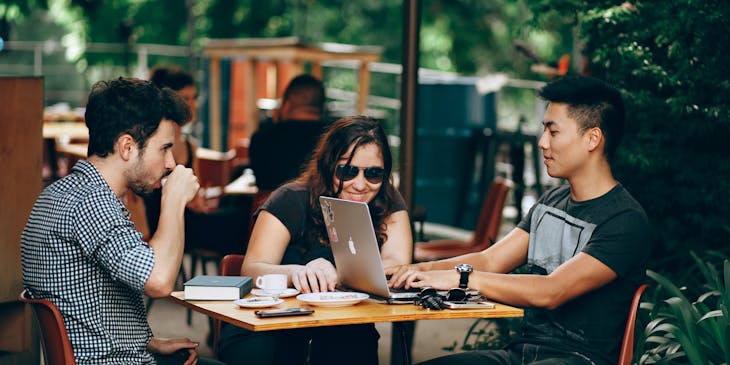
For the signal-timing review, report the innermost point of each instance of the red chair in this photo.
(485, 234)
(57, 348)
(230, 266)
(627, 345)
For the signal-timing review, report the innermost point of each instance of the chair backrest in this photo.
(490, 216)
(57, 348)
(627, 345)
(230, 266)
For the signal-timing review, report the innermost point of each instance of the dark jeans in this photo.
(355, 344)
(179, 360)
(518, 354)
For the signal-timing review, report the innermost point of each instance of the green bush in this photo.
(681, 330)
(488, 334)
(672, 61)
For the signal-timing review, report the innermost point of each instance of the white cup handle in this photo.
(260, 282)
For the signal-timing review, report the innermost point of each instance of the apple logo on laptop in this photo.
(351, 244)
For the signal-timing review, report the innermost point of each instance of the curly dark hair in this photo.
(319, 175)
(122, 106)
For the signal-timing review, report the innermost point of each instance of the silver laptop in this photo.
(355, 248)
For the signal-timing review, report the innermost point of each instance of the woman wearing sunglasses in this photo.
(352, 161)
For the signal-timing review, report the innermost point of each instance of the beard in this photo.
(141, 189)
(138, 180)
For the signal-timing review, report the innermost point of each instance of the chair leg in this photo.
(193, 270)
(203, 264)
(182, 275)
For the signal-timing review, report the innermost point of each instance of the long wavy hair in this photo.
(351, 131)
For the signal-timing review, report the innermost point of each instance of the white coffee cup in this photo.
(272, 282)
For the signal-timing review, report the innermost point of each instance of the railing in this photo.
(69, 82)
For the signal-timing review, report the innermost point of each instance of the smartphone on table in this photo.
(468, 305)
(269, 313)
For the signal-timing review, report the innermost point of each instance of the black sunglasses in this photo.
(430, 299)
(374, 175)
(453, 295)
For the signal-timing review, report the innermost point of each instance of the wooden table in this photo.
(65, 130)
(56, 134)
(77, 150)
(364, 312)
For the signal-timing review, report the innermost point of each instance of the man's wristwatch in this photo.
(464, 270)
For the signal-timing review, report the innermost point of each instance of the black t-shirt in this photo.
(279, 151)
(290, 205)
(612, 228)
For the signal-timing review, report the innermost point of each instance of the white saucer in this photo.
(258, 302)
(332, 299)
(285, 293)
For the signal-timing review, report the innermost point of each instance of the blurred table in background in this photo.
(63, 138)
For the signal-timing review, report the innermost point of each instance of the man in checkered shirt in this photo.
(81, 251)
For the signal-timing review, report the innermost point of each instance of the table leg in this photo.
(402, 342)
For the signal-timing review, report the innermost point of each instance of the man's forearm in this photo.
(168, 244)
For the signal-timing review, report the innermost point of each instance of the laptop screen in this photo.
(354, 246)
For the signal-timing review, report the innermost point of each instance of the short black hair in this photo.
(592, 103)
(122, 106)
(305, 91)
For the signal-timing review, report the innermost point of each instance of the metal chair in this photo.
(57, 348)
(627, 345)
(485, 234)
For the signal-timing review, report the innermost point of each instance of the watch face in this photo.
(463, 268)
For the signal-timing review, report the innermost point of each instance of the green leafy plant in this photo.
(687, 324)
(488, 334)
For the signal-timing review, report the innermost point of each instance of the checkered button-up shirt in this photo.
(80, 250)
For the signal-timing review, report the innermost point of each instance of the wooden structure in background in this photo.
(262, 66)
(21, 157)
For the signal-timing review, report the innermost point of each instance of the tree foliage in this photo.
(669, 58)
(13, 10)
(672, 61)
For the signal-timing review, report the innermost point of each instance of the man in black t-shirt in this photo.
(279, 150)
(585, 244)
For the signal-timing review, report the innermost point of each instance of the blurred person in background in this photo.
(279, 150)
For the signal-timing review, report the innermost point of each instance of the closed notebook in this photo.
(211, 287)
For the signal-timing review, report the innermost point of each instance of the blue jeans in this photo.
(518, 354)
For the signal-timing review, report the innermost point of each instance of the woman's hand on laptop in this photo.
(398, 275)
(318, 275)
